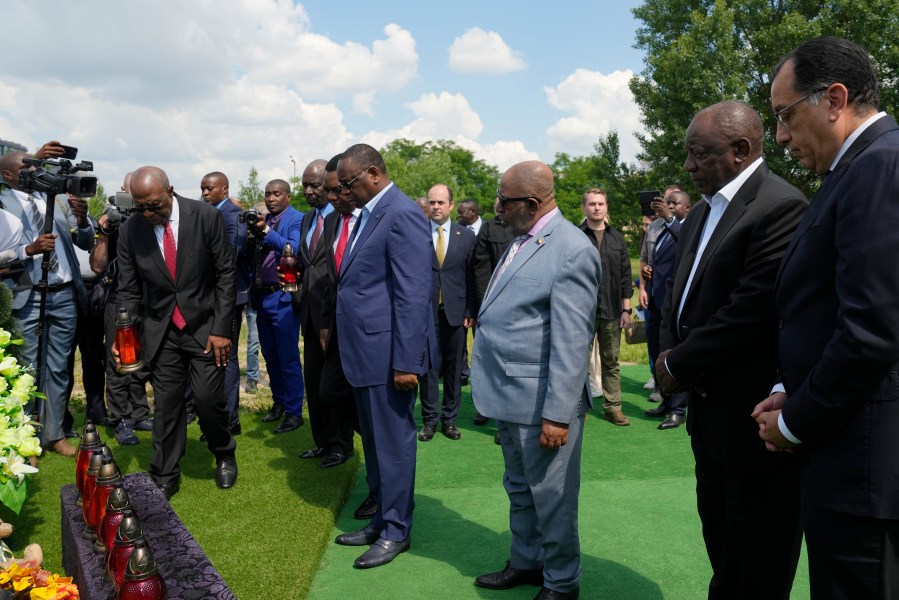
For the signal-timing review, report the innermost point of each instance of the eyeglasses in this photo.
(334, 190)
(346, 185)
(147, 208)
(782, 119)
(503, 200)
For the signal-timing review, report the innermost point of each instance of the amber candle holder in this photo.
(127, 342)
(289, 267)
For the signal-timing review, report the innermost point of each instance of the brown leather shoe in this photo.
(63, 448)
(616, 418)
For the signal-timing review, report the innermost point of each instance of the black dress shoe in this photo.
(144, 425)
(548, 594)
(226, 472)
(363, 537)
(366, 510)
(191, 417)
(274, 414)
(451, 432)
(510, 577)
(480, 419)
(464, 380)
(335, 459)
(426, 434)
(313, 453)
(169, 489)
(289, 424)
(659, 411)
(71, 433)
(672, 422)
(235, 428)
(381, 552)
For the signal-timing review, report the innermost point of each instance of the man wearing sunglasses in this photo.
(176, 272)
(838, 320)
(529, 372)
(387, 341)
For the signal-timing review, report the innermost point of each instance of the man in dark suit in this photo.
(214, 187)
(453, 301)
(387, 341)
(838, 320)
(314, 257)
(718, 342)
(662, 261)
(176, 271)
(276, 320)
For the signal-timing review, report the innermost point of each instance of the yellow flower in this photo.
(8, 366)
(5, 337)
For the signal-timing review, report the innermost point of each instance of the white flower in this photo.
(30, 447)
(8, 366)
(15, 466)
(5, 337)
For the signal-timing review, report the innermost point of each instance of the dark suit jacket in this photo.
(384, 311)
(315, 278)
(236, 233)
(836, 299)
(455, 277)
(204, 276)
(663, 261)
(492, 241)
(725, 341)
(616, 283)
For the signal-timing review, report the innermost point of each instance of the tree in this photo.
(417, 167)
(699, 52)
(250, 194)
(96, 204)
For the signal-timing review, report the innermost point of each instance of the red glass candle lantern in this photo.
(90, 482)
(90, 439)
(127, 341)
(126, 535)
(107, 477)
(289, 267)
(142, 579)
(116, 504)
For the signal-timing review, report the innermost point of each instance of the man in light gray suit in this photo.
(529, 372)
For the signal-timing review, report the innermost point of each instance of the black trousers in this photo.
(851, 557)
(451, 341)
(750, 523)
(319, 411)
(89, 339)
(337, 394)
(126, 393)
(180, 359)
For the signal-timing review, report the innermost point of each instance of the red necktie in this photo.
(316, 233)
(341, 243)
(168, 245)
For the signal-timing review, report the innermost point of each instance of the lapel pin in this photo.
(539, 241)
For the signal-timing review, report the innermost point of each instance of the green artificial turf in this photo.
(271, 535)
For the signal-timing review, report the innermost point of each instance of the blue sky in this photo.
(204, 85)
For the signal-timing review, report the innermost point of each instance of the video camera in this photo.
(57, 176)
(117, 209)
(250, 217)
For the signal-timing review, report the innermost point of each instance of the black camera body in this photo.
(117, 209)
(62, 178)
(248, 216)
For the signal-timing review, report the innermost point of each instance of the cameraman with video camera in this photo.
(126, 393)
(70, 227)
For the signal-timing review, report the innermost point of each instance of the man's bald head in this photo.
(153, 195)
(126, 184)
(313, 183)
(735, 120)
(527, 188)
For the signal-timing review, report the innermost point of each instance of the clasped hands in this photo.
(766, 414)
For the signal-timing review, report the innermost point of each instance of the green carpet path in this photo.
(640, 534)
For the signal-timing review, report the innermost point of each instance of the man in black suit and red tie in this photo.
(838, 320)
(453, 301)
(176, 272)
(718, 342)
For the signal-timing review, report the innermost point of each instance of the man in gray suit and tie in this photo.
(529, 372)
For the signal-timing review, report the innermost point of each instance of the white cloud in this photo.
(479, 51)
(448, 116)
(598, 103)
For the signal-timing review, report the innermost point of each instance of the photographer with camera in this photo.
(126, 393)
(63, 278)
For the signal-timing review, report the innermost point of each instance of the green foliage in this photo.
(96, 204)
(250, 193)
(699, 52)
(297, 199)
(416, 167)
(602, 169)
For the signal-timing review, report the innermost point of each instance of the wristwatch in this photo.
(629, 311)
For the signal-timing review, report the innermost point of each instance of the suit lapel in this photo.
(373, 220)
(692, 232)
(305, 224)
(533, 245)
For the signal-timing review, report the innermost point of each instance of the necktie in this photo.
(342, 241)
(317, 233)
(171, 257)
(510, 256)
(441, 246)
(37, 220)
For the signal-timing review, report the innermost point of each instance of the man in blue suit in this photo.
(278, 324)
(452, 299)
(529, 372)
(386, 329)
(214, 187)
(838, 320)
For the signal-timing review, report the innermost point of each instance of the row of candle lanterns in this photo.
(112, 524)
